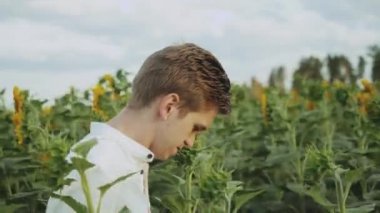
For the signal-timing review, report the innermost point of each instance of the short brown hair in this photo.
(188, 70)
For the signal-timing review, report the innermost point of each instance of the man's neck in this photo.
(137, 125)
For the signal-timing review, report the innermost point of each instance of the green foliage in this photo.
(374, 52)
(317, 151)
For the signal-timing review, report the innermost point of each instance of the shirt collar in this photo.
(128, 144)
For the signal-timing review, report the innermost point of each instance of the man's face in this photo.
(180, 131)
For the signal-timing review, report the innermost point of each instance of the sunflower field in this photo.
(311, 149)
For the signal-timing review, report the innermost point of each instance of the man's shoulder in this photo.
(103, 152)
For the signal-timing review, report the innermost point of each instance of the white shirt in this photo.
(114, 155)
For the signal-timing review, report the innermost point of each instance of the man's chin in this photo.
(163, 157)
(167, 155)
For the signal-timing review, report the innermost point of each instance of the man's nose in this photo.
(190, 142)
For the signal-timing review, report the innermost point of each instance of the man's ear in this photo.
(168, 105)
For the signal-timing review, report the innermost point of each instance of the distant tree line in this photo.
(338, 66)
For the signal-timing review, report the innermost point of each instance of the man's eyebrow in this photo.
(199, 127)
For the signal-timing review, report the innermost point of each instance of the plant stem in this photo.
(339, 193)
(329, 129)
(87, 193)
(188, 190)
(195, 206)
(293, 141)
(362, 144)
(99, 203)
(9, 189)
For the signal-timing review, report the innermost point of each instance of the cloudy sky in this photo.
(47, 46)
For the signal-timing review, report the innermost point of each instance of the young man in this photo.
(175, 95)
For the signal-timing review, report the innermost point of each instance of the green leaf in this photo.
(81, 164)
(75, 205)
(24, 195)
(169, 177)
(297, 188)
(103, 189)
(313, 192)
(13, 161)
(11, 207)
(373, 195)
(353, 176)
(279, 158)
(124, 210)
(362, 209)
(173, 203)
(374, 178)
(67, 181)
(232, 188)
(243, 197)
(83, 148)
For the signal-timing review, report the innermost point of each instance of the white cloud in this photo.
(33, 41)
(249, 37)
(77, 8)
